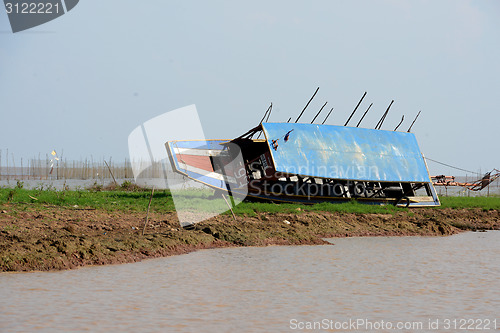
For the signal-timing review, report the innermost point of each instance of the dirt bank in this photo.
(55, 238)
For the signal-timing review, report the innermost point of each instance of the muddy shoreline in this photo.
(57, 238)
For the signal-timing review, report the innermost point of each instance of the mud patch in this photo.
(56, 238)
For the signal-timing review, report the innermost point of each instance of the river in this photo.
(424, 284)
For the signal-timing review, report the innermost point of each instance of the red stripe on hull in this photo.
(200, 162)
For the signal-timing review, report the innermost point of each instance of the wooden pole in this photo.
(125, 170)
(381, 121)
(14, 166)
(402, 119)
(265, 114)
(328, 115)
(317, 114)
(269, 109)
(111, 173)
(47, 172)
(147, 213)
(409, 129)
(234, 216)
(306, 105)
(353, 112)
(364, 114)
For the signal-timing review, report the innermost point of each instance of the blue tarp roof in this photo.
(346, 152)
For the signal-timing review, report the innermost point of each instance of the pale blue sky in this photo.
(84, 81)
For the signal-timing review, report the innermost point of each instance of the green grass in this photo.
(250, 208)
(486, 203)
(108, 200)
(162, 202)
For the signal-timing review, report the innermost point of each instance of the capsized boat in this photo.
(310, 163)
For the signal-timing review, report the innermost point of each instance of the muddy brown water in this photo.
(375, 280)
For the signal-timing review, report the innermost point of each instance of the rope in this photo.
(451, 166)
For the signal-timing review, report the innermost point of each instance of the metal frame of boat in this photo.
(310, 163)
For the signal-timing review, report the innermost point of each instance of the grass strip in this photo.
(137, 200)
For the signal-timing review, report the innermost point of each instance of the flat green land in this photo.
(43, 229)
(137, 200)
